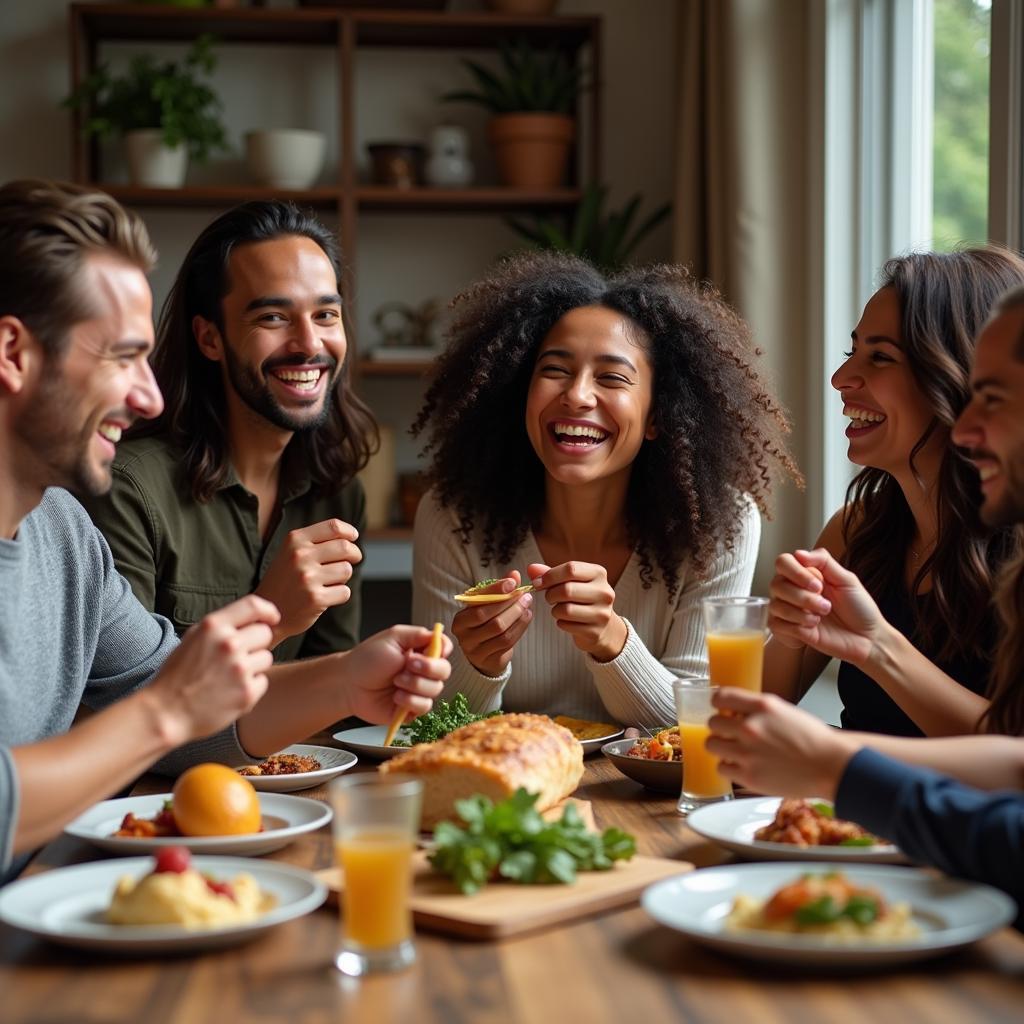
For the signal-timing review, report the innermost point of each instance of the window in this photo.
(923, 128)
(960, 122)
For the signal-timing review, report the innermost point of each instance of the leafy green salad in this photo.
(511, 840)
(445, 717)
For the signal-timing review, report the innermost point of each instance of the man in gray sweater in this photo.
(75, 332)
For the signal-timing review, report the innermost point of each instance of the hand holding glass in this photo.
(736, 631)
(702, 783)
(376, 821)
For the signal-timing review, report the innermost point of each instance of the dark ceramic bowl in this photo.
(662, 776)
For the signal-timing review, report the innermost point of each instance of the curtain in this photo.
(748, 147)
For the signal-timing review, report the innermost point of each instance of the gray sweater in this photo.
(72, 632)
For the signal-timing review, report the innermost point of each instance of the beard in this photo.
(1009, 507)
(251, 386)
(60, 444)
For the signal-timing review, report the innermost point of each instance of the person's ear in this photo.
(207, 335)
(652, 430)
(21, 355)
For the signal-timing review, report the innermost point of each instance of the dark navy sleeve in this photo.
(938, 821)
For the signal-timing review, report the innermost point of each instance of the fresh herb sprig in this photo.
(512, 840)
(445, 717)
(861, 909)
(828, 811)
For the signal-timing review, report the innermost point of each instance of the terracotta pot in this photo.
(532, 150)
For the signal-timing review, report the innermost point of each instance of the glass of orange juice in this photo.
(736, 630)
(702, 783)
(376, 822)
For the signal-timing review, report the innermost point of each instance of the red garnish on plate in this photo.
(174, 859)
(221, 889)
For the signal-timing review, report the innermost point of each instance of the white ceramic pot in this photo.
(290, 158)
(449, 165)
(151, 163)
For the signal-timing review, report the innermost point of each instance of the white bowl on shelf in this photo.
(288, 158)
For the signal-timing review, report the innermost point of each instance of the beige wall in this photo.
(401, 257)
(410, 258)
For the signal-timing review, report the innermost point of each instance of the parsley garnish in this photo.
(511, 840)
(444, 718)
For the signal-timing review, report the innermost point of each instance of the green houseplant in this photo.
(531, 99)
(606, 239)
(163, 109)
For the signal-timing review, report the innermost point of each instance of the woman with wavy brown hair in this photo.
(610, 440)
(920, 566)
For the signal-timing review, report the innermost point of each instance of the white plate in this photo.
(332, 760)
(732, 824)
(284, 818)
(368, 740)
(591, 746)
(950, 913)
(67, 905)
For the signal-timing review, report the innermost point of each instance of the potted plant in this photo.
(164, 111)
(607, 240)
(532, 98)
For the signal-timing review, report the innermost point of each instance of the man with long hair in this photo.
(935, 818)
(75, 332)
(246, 482)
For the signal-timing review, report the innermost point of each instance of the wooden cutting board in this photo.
(502, 909)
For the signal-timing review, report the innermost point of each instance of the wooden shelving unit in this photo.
(453, 200)
(389, 534)
(397, 368)
(346, 32)
(326, 197)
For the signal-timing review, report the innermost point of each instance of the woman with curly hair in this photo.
(612, 438)
(900, 586)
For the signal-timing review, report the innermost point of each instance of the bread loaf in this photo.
(493, 757)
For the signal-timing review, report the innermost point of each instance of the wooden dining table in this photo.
(618, 965)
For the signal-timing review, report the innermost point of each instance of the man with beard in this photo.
(75, 332)
(246, 482)
(939, 819)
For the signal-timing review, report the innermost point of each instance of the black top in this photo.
(868, 708)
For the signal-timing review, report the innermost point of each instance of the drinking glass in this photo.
(736, 630)
(376, 823)
(702, 783)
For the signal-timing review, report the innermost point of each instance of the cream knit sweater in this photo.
(548, 673)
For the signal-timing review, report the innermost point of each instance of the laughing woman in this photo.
(611, 441)
(919, 564)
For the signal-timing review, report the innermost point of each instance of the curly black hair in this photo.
(720, 431)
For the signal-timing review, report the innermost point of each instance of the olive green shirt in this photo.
(184, 558)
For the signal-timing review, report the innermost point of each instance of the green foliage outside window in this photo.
(960, 147)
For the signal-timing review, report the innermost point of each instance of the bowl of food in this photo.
(654, 761)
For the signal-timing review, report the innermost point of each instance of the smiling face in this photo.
(991, 426)
(588, 409)
(888, 412)
(98, 386)
(283, 341)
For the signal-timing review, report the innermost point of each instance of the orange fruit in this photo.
(214, 800)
